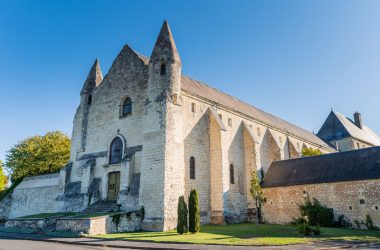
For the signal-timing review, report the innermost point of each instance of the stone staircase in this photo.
(102, 207)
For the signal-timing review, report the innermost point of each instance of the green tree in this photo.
(257, 194)
(3, 178)
(38, 155)
(194, 212)
(182, 216)
(311, 152)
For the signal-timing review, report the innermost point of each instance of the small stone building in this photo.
(345, 134)
(145, 134)
(347, 182)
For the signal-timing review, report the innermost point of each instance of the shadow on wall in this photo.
(197, 145)
(235, 203)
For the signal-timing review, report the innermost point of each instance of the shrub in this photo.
(194, 213)
(303, 227)
(182, 216)
(313, 215)
(316, 213)
(342, 222)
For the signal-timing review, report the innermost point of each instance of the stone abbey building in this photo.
(145, 134)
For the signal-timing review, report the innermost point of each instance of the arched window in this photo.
(163, 69)
(116, 151)
(89, 100)
(127, 107)
(232, 177)
(192, 168)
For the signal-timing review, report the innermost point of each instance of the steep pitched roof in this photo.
(365, 134)
(362, 164)
(202, 90)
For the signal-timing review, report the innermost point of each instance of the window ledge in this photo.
(124, 116)
(113, 165)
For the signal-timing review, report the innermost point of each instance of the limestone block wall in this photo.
(247, 145)
(126, 78)
(5, 207)
(90, 226)
(352, 199)
(36, 195)
(197, 145)
(349, 143)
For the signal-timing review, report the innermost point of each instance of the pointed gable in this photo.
(333, 128)
(128, 61)
(338, 126)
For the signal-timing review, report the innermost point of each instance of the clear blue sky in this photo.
(294, 59)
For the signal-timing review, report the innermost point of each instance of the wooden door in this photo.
(113, 185)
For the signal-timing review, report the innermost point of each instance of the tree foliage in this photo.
(311, 152)
(194, 212)
(257, 193)
(3, 178)
(182, 216)
(38, 155)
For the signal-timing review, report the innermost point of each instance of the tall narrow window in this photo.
(89, 100)
(163, 69)
(258, 131)
(232, 177)
(127, 107)
(193, 107)
(116, 151)
(192, 168)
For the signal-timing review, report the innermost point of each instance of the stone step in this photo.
(102, 207)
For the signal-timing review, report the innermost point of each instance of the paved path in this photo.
(16, 244)
(15, 241)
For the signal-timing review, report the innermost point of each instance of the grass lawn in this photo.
(247, 234)
(83, 216)
(46, 215)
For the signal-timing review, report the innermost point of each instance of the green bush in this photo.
(343, 222)
(194, 213)
(182, 216)
(303, 227)
(317, 214)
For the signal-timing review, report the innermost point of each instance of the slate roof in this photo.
(365, 134)
(362, 164)
(202, 90)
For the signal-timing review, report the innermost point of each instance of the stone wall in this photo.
(89, 226)
(36, 224)
(5, 207)
(352, 199)
(349, 143)
(36, 195)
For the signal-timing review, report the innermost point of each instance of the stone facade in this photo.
(354, 199)
(37, 194)
(172, 118)
(5, 207)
